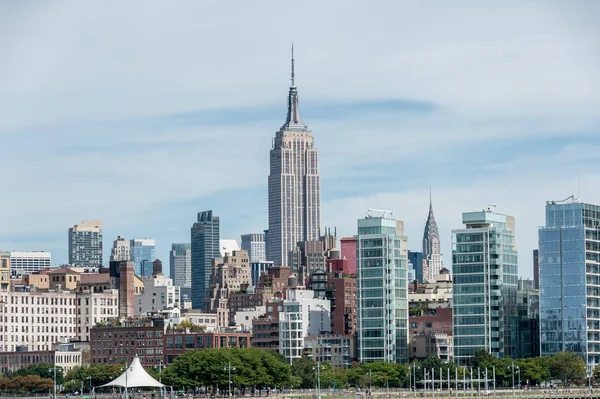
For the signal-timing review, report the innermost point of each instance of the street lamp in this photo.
(513, 377)
(160, 367)
(370, 383)
(50, 371)
(519, 372)
(229, 369)
(318, 368)
(415, 379)
(126, 370)
(89, 378)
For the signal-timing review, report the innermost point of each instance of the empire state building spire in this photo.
(294, 184)
(293, 121)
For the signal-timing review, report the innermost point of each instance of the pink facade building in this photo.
(348, 247)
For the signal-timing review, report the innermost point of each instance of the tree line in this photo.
(253, 368)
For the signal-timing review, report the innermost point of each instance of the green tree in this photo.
(210, 367)
(596, 373)
(305, 369)
(43, 370)
(567, 366)
(482, 359)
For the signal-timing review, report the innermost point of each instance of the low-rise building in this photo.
(196, 316)
(177, 342)
(244, 317)
(37, 320)
(113, 343)
(432, 293)
(337, 350)
(64, 278)
(94, 282)
(65, 356)
(4, 271)
(430, 334)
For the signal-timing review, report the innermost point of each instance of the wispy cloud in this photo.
(144, 124)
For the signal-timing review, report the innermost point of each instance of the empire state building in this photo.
(294, 185)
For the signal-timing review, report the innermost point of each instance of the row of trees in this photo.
(252, 367)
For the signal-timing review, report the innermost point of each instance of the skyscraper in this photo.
(431, 245)
(205, 247)
(569, 260)
(417, 262)
(254, 244)
(484, 307)
(382, 290)
(85, 244)
(120, 250)
(143, 253)
(180, 267)
(294, 185)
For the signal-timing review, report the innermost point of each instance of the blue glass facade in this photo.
(205, 236)
(485, 280)
(416, 259)
(569, 261)
(143, 253)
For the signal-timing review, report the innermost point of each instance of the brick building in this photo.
(111, 344)
(265, 329)
(430, 334)
(177, 342)
(344, 314)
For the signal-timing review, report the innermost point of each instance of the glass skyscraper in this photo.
(205, 236)
(569, 261)
(143, 253)
(382, 290)
(180, 267)
(484, 264)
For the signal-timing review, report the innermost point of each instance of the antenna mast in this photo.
(293, 74)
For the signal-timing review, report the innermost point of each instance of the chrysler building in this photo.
(431, 246)
(294, 184)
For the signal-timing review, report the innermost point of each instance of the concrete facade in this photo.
(85, 244)
(294, 185)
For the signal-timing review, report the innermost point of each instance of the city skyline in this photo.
(475, 116)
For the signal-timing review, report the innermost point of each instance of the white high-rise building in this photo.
(382, 290)
(302, 315)
(120, 250)
(294, 185)
(255, 245)
(85, 244)
(29, 262)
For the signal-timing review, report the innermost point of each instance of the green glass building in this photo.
(484, 264)
(382, 290)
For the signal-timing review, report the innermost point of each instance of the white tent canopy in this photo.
(134, 377)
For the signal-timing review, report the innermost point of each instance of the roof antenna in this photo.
(578, 186)
(293, 74)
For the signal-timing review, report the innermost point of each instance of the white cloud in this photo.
(88, 89)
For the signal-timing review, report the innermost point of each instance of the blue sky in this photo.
(142, 114)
